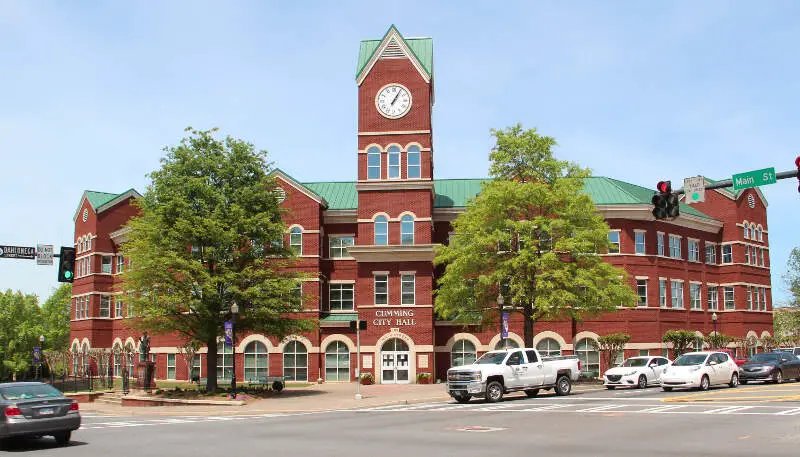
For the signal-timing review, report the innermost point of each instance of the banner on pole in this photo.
(504, 333)
(229, 333)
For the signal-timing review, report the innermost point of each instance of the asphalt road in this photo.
(596, 423)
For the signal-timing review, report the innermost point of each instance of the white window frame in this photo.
(641, 284)
(172, 365)
(711, 260)
(120, 264)
(746, 234)
(384, 223)
(662, 292)
(381, 279)
(373, 152)
(119, 303)
(713, 298)
(675, 247)
(676, 293)
(393, 153)
(660, 243)
(747, 254)
(729, 255)
(253, 352)
(296, 240)
(761, 255)
(339, 304)
(750, 297)
(405, 297)
(337, 370)
(405, 234)
(617, 243)
(695, 292)
(763, 299)
(413, 150)
(694, 254)
(105, 306)
(637, 234)
(732, 301)
(337, 247)
(296, 345)
(106, 264)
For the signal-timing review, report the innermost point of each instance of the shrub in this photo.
(367, 378)
(424, 378)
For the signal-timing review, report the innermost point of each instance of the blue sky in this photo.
(92, 92)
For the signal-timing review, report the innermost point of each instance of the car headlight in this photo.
(630, 373)
(693, 369)
(477, 376)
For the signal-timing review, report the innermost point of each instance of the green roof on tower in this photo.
(419, 50)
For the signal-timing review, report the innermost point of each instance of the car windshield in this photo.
(761, 358)
(635, 363)
(492, 358)
(24, 392)
(687, 360)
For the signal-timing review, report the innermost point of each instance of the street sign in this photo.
(18, 252)
(754, 178)
(44, 254)
(694, 189)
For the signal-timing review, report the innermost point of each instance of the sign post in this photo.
(694, 189)
(44, 254)
(754, 178)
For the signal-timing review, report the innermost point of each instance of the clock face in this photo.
(393, 101)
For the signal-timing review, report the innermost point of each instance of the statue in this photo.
(144, 347)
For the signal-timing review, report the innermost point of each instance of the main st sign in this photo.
(395, 317)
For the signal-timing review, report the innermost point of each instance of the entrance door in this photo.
(395, 362)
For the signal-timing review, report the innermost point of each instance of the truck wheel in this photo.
(494, 392)
(563, 385)
(462, 398)
(532, 392)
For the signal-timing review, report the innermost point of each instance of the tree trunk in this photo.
(527, 328)
(211, 365)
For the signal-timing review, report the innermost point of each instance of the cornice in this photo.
(394, 185)
(393, 253)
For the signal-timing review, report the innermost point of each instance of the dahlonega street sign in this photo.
(754, 178)
(18, 252)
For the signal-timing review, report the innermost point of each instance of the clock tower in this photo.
(393, 247)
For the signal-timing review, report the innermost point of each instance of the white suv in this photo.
(701, 370)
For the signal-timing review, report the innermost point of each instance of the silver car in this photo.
(36, 409)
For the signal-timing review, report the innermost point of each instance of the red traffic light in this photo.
(797, 161)
(664, 187)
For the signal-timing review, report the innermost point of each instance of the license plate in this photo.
(46, 412)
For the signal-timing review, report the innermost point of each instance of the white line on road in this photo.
(600, 408)
(790, 412)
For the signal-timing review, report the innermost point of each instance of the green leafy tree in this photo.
(792, 277)
(611, 346)
(55, 315)
(210, 233)
(682, 340)
(718, 340)
(20, 327)
(769, 342)
(533, 236)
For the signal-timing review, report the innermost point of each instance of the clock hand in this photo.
(395, 97)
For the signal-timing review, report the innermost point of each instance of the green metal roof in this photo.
(422, 48)
(98, 199)
(339, 195)
(609, 191)
(454, 193)
(346, 317)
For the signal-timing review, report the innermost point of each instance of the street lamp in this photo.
(714, 319)
(500, 302)
(234, 312)
(41, 354)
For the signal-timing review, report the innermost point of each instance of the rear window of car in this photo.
(29, 391)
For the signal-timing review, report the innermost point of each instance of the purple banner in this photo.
(37, 355)
(229, 333)
(504, 333)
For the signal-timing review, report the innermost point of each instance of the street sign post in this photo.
(44, 254)
(754, 178)
(18, 252)
(694, 189)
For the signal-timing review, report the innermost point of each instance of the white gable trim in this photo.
(393, 35)
(300, 188)
(80, 205)
(118, 199)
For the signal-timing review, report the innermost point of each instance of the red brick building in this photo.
(370, 244)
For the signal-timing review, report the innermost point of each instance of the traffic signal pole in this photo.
(729, 182)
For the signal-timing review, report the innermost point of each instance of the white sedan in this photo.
(636, 372)
(701, 370)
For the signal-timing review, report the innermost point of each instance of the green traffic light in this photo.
(68, 274)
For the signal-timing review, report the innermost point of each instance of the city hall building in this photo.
(369, 246)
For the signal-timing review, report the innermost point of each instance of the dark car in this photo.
(34, 409)
(770, 366)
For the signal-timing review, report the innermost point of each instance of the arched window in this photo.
(295, 362)
(381, 230)
(549, 347)
(589, 358)
(85, 358)
(394, 162)
(256, 362)
(117, 354)
(89, 242)
(373, 163)
(463, 353)
(407, 229)
(296, 240)
(746, 231)
(759, 234)
(413, 158)
(75, 359)
(502, 344)
(337, 362)
(224, 361)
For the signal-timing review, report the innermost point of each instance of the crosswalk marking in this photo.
(727, 409)
(599, 408)
(790, 412)
(546, 408)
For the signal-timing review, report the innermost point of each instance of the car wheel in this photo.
(667, 389)
(532, 392)
(494, 392)
(778, 377)
(642, 384)
(563, 386)
(734, 380)
(63, 437)
(611, 387)
(462, 398)
(704, 383)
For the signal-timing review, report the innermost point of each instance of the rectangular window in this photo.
(750, 297)
(713, 299)
(675, 246)
(660, 239)
(197, 367)
(86, 302)
(728, 297)
(727, 253)
(341, 297)
(694, 296)
(407, 289)
(677, 294)
(761, 255)
(763, 299)
(694, 250)
(339, 245)
(118, 303)
(711, 254)
(374, 164)
(170, 366)
(129, 310)
(662, 293)
(414, 170)
(394, 164)
(105, 264)
(120, 264)
(747, 255)
(641, 290)
(381, 289)
(105, 306)
(644, 352)
(613, 237)
(296, 241)
(639, 238)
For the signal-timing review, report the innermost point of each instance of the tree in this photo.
(210, 233)
(187, 352)
(682, 340)
(769, 343)
(611, 346)
(55, 315)
(792, 277)
(20, 328)
(787, 323)
(533, 236)
(718, 340)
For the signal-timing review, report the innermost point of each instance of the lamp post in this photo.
(714, 319)
(41, 353)
(234, 312)
(500, 302)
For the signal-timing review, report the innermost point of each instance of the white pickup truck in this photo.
(520, 369)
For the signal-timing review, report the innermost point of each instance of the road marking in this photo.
(790, 412)
(726, 410)
(659, 409)
(546, 408)
(599, 408)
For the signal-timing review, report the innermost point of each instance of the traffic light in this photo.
(66, 264)
(664, 189)
(673, 205)
(797, 164)
(362, 325)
